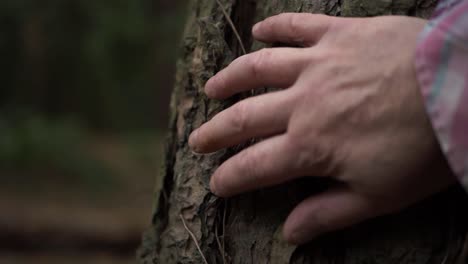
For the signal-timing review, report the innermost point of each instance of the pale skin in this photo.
(350, 109)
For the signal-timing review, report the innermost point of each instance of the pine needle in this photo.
(224, 221)
(193, 238)
(220, 247)
(233, 27)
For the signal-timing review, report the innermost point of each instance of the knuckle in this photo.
(260, 61)
(268, 25)
(294, 23)
(323, 159)
(248, 164)
(239, 117)
(314, 156)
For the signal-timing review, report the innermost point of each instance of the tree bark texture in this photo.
(246, 229)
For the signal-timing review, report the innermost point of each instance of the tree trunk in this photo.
(190, 223)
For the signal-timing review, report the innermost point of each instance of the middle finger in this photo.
(258, 116)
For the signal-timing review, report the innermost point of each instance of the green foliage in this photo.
(102, 61)
(35, 151)
(107, 64)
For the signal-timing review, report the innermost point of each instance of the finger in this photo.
(267, 163)
(258, 116)
(332, 210)
(302, 29)
(276, 67)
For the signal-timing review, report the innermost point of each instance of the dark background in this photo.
(84, 92)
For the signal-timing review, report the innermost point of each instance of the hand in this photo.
(351, 110)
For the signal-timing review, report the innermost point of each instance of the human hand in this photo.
(351, 110)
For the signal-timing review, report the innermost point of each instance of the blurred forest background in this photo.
(84, 92)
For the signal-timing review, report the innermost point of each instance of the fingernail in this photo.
(294, 239)
(193, 141)
(298, 237)
(208, 91)
(256, 27)
(213, 185)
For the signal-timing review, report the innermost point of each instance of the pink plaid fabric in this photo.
(442, 68)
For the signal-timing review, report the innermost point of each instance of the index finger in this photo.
(277, 67)
(302, 29)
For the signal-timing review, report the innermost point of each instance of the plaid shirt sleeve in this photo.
(442, 69)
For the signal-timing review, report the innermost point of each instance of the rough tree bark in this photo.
(246, 229)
